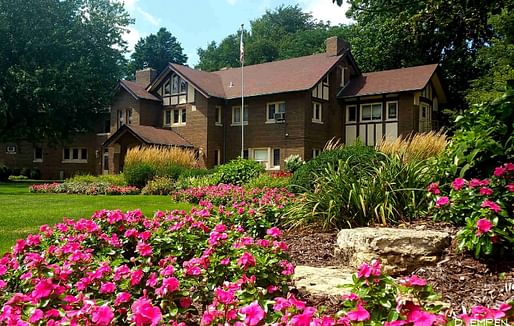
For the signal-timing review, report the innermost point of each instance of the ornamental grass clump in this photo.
(485, 209)
(420, 146)
(354, 193)
(144, 163)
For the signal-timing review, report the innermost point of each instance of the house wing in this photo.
(393, 81)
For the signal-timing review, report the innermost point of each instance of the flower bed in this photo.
(84, 188)
(483, 207)
(213, 265)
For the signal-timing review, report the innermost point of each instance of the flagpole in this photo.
(241, 58)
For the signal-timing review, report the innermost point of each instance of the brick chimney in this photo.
(146, 76)
(336, 45)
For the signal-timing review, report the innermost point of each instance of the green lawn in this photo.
(22, 212)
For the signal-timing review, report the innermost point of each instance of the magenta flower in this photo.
(253, 313)
(43, 289)
(36, 316)
(144, 249)
(224, 296)
(413, 280)
(274, 232)
(107, 287)
(419, 317)
(492, 205)
(144, 313)
(122, 297)
(485, 191)
(359, 314)
(102, 316)
(510, 187)
(136, 277)
(246, 260)
(483, 226)
(458, 183)
(434, 188)
(499, 171)
(442, 201)
(396, 323)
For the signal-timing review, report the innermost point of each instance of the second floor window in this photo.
(219, 119)
(38, 154)
(236, 115)
(317, 110)
(175, 117)
(371, 112)
(275, 112)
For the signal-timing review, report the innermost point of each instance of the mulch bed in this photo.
(462, 281)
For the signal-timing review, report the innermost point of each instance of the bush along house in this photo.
(292, 106)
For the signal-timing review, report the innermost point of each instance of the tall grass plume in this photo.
(416, 147)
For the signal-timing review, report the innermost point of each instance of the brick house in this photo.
(292, 106)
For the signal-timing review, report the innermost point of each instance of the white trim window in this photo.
(179, 117)
(371, 112)
(236, 115)
(121, 118)
(129, 116)
(167, 118)
(219, 119)
(74, 155)
(275, 112)
(268, 157)
(38, 154)
(317, 112)
(343, 76)
(351, 113)
(392, 110)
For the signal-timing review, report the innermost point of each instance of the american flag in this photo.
(242, 46)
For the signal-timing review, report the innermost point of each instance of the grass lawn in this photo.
(22, 212)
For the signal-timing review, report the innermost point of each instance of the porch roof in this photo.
(149, 135)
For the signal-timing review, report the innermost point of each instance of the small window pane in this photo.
(392, 111)
(183, 115)
(84, 154)
(176, 116)
(271, 111)
(245, 112)
(174, 84)
(237, 114)
(167, 117)
(75, 153)
(66, 153)
(245, 154)
(352, 113)
(183, 86)
(38, 153)
(276, 157)
(260, 155)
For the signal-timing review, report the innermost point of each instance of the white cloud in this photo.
(131, 36)
(149, 17)
(327, 11)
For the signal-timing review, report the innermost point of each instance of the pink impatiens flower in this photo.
(246, 260)
(253, 313)
(413, 280)
(102, 316)
(434, 188)
(359, 314)
(442, 201)
(274, 232)
(144, 313)
(485, 191)
(366, 270)
(499, 171)
(144, 249)
(483, 226)
(458, 183)
(492, 205)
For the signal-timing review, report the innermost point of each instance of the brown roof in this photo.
(289, 75)
(138, 90)
(389, 81)
(150, 135)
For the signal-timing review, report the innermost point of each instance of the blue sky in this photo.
(195, 23)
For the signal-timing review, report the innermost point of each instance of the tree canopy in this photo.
(156, 51)
(59, 62)
(282, 33)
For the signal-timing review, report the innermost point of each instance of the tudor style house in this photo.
(292, 106)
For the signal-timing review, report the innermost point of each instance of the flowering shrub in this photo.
(86, 188)
(255, 209)
(159, 186)
(119, 268)
(484, 207)
(293, 162)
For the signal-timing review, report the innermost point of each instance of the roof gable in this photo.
(389, 81)
(150, 136)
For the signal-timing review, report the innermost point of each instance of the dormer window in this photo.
(167, 88)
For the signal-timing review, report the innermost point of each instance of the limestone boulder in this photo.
(401, 251)
(322, 280)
